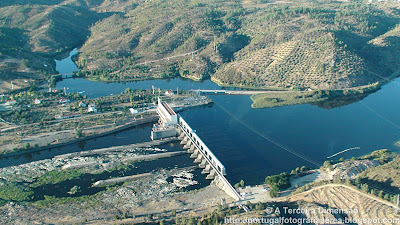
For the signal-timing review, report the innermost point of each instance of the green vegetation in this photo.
(78, 133)
(278, 183)
(317, 97)
(385, 177)
(14, 192)
(383, 155)
(299, 170)
(268, 100)
(11, 191)
(327, 165)
(240, 184)
(56, 176)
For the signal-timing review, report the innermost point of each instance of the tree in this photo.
(386, 197)
(273, 194)
(78, 133)
(380, 194)
(364, 188)
(336, 179)
(259, 206)
(191, 221)
(27, 146)
(327, 165)
(242, 183)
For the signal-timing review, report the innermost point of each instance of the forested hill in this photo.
(249, 43)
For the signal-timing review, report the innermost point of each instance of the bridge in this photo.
(235, 92)
(171, 124)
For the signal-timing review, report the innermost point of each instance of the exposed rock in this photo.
(182, 183)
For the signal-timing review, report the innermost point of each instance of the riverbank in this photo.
(69, 136)
(58, 118)
(274, 99)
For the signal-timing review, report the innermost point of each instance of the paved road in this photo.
(242, 92)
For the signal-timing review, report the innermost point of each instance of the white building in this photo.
(38, 101)
(92, 108)
(167, 115)
(169, 93)
(133, 111)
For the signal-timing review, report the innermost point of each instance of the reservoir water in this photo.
(67, 66)
(254, 143)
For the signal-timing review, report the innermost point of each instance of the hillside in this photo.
(258, 44)
(34, 32)
(385, 176)
(306, 44)
(333, 196)
(139, 42)
(319, 46)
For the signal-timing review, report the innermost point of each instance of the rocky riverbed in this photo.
(158, 193)
(91, 164)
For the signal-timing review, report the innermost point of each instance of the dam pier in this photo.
(171, 124)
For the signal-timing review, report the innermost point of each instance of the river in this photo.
(67, 66)
(254, 143)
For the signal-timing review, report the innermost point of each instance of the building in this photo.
(167, 124)
(11, 102)
(92, 108)
(82, 104)
(169, 93)
(133, 111)
(167, 115)
(37, 101)
(63, 100)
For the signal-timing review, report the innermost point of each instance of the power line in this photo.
(377, 114)
(289, 149)
(293, 152)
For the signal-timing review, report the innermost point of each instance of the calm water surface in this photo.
(67, 66)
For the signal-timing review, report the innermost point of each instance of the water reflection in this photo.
(340, 101)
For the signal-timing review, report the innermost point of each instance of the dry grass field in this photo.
(343, 197)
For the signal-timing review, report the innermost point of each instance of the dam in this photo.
(171, 124)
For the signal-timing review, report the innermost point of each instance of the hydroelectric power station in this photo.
(171, 124)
